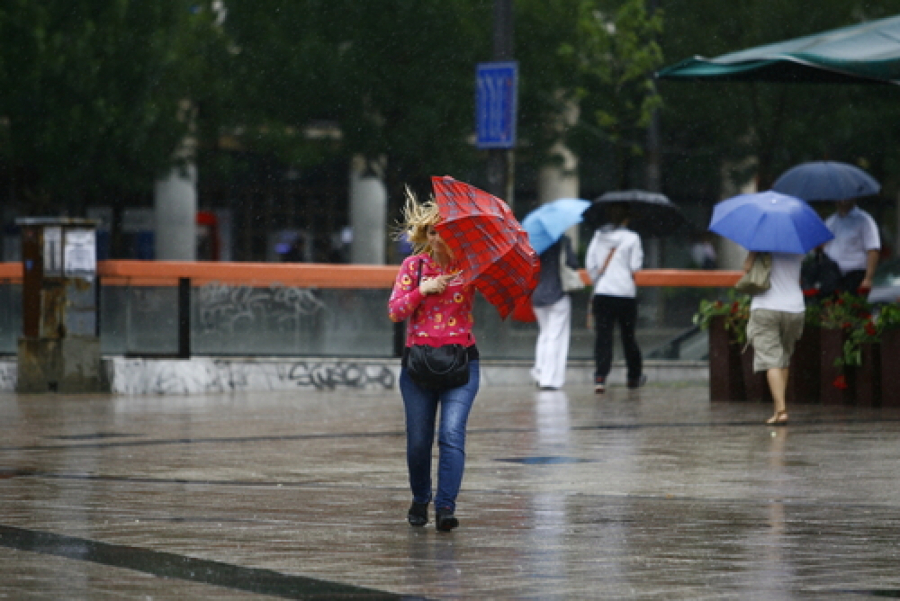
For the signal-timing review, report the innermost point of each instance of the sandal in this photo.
(779, 419)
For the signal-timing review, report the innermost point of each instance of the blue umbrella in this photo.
(826, 180)
(770, 222)
(547, 223)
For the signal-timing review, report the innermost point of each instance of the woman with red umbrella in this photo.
(432, 294)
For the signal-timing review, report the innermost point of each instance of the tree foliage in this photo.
(758, 130)
(99, 95)
(93, 96)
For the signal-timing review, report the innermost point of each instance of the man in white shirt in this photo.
(855, 247)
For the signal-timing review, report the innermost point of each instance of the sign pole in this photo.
(501, 158)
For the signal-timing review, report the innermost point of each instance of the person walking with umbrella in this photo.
(776, 323)
(550, 300)
(856, 246)
(787, 228)
(553, 309)
(438, 303)
(464, 240)
(613, 255)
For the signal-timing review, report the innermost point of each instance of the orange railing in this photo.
(321, 275)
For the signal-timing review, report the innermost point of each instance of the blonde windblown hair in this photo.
(416, 219)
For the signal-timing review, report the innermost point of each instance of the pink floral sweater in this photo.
(434, 319)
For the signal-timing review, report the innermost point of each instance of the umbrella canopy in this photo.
(866, 52)
(826, 180)
(490, 245)
(651, 214)
(770, 222)
(547, 223)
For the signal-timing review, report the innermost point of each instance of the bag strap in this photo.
(606, 262)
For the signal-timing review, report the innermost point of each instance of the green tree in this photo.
(396, 78)
(92, 96)
(761, 129)
(615, 53)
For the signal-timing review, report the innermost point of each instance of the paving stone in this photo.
(647, 494)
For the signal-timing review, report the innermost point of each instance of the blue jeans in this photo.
(421, 407)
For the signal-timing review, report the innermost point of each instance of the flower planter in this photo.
(867, 376)
(836, 384)
(726, 381)
(890, 368)
(803, 378)
(756, 385)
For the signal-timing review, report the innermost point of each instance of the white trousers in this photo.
(552, 349)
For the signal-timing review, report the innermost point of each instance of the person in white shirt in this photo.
(855, 247)
(776, 323)
(613, 256)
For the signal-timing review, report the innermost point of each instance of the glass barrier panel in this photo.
(10, 318)
(237, 320)
(277, 320)
(151, 320)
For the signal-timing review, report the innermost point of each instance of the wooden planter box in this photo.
(832, 347)
(890, 368)
(726, 380)
(804, 378)
(756, 385)
(867, 376)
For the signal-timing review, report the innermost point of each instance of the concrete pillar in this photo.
(368, 212)
(559, 180)
(175, 201)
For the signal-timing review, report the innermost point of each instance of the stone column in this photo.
(368, 212)
(175, 201)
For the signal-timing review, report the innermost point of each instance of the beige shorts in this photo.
(773, 335)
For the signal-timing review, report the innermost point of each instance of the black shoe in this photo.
(637, 383)
(445, 521)
(418, 514)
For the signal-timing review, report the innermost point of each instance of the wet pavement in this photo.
(647, 494)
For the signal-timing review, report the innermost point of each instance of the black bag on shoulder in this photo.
(436, 367)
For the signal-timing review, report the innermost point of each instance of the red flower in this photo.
(870, 329)
(840, 382)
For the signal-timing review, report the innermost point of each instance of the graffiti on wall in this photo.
(142, 376)
(235, 309)
(334, 375)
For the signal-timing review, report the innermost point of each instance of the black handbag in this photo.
(438, 367)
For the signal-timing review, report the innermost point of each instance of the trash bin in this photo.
(59, 350)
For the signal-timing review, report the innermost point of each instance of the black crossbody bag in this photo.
(437, 367)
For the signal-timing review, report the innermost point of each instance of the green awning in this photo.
(865, 53)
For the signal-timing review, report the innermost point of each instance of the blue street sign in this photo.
(496, 104)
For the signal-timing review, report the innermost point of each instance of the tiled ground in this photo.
(649, 494)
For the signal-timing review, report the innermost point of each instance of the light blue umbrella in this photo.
(826, 180)
(547, 223)
(770, 222)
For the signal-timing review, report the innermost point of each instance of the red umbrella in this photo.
(491, 246)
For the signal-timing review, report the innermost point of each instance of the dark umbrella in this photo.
(651, 214)
(826, 180)
(491, 246)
